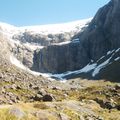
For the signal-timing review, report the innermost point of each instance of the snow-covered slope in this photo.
(57, 28)
(8, 29)
(46, 29)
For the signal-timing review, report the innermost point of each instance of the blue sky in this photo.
(36, 12)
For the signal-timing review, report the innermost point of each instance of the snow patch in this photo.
(57, 28)
(88, 67)
(108, 52)
(117, 50)
(67, 42)
(62, 43)
(85, 69)
(19, 64)
(76, 40)
(99, 67)
(8, 29)
(32, 46)
(92, 60)
(117, 58)
(100, 58)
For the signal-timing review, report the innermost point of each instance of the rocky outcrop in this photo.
(42, 39)
(23, 54)
(101, 35)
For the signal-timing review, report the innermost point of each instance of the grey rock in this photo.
(2, 90)
(18, 87)
(56, 88)
(1, 75)
(17, 112)
(14, 86)
(58, 59)
(31, 85)
(37, 97)
(47, 98)
(41, 39)
(42, 92)
(118, 107)
(117, 87)
(63, 117)
(36, 87)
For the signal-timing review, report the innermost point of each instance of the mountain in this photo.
(36, 61)
(67, 50)
(23, 41)
(17, 48)
(102, 36)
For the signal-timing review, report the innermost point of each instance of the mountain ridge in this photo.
(58, 28)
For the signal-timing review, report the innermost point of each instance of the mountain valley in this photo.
(66, 71)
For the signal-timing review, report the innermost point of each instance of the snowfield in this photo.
(46, 29)
(57, 28)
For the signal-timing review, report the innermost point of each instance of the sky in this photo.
(39, 12)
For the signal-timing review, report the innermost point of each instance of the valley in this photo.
(66, 71)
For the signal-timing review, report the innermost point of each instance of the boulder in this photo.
(42, 92)
(18, 113)
(37, 97)
(117, 87)
(106, 104)
(47, 98)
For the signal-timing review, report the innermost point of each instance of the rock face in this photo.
(42, 39)
(57, 59)
(101, 35)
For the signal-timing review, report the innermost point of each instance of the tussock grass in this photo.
(40, 106)
(5, 115)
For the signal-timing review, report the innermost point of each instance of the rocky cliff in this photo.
(103, 33)
(60, 58)
(43, 39)
(101, 36)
